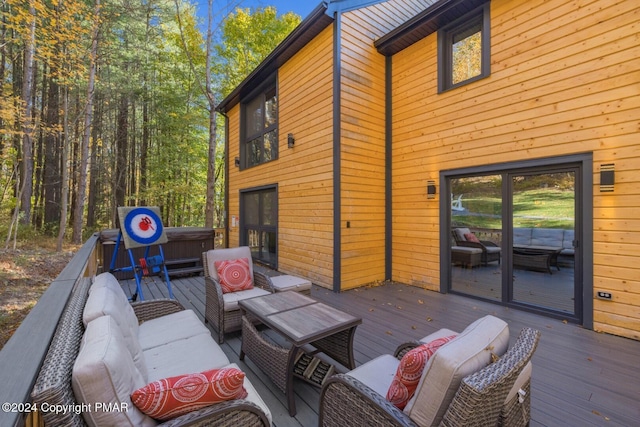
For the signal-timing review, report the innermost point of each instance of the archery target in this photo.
(141, 226)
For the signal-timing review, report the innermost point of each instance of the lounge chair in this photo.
(490, 251)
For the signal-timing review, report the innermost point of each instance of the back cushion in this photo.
(107, 280)
(103, 301)
(466, 354)
(227, 254)
(547, 237)
(104, 373)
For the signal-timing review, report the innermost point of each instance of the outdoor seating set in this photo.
(150, 359)
(107, 352)
(472, 252)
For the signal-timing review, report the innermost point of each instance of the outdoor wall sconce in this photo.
(237, 162)
(291, 141)
(607, 177)
(431, 189)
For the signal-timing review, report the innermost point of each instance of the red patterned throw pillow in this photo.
(234, 275)
(471, 238)
(171, 397)
(408, 374)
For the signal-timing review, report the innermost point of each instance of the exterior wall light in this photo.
(431, 189)
(237, 162)
(607, 177)
(291, 141)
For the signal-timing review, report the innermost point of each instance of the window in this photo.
(259, 223)
(260, 129)
(463, 50)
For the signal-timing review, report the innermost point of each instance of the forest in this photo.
(107, 103)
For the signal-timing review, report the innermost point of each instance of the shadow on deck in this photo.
(580, 377)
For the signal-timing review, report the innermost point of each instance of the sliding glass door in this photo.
(513, 237)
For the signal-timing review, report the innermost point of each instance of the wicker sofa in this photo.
(97, 355)
(458, 387)
(533, 237)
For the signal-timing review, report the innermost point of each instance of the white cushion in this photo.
(231, 298)
(194, 354)
(106, 280)
(168, 328)
(290, 283)
(214, 255)
(460, 232)
(104, 372)
(469, 352)
(253, 396)
(104, 302)
(377, 373)
(441, 333)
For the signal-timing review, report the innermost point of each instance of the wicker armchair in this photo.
(222, 310)
(490, 251)
(484, 398)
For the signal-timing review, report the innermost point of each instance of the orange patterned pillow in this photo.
(408, 374)
(234, 275)
(471, 238)
(174, 396)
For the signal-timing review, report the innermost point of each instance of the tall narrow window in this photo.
(463, 50)
(260, 131)
(259, 223)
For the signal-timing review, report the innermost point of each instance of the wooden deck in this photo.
(580, 377)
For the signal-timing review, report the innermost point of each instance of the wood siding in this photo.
(362, 78)
(304, 173)
(564, 80)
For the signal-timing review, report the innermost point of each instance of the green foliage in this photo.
(248, 38)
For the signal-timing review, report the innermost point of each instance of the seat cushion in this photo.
(377, 373)
(172, 327)
(104, 372)
(286, 282)
(106, 280)
(174, 396)
(231, 299)
(467, 353)
(194, 354)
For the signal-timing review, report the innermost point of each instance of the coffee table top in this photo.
(297, 317)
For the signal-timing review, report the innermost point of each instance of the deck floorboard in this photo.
(580, 377)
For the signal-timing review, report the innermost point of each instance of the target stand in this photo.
(141, 227)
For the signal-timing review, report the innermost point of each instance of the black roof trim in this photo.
(425, 23)
(308, 29)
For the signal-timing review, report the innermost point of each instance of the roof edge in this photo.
(425, 23)
(311, 26)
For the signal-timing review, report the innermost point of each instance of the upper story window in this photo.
(464, 50)
(260, 129)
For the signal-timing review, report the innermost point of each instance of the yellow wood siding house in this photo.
(378, 132)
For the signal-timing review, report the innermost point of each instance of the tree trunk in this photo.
(122, 136)
(211, 164)
(64, 200)
(52, 157)
(84, 147)
(27, 120)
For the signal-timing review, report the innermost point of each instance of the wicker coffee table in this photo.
(303, 322)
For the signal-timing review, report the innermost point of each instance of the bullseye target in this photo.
(141, 226)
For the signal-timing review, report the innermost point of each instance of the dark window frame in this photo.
(263, 94)
(445, 43)
(271, 257)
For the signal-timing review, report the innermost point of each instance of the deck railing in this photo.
(22, 356)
